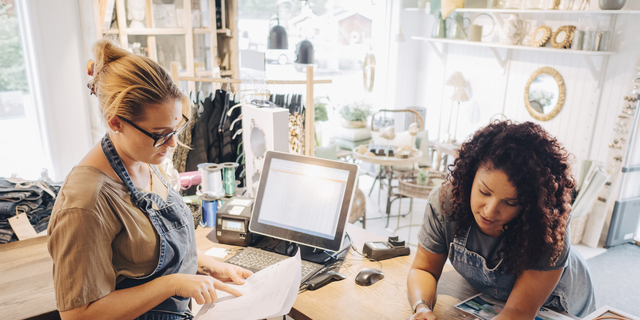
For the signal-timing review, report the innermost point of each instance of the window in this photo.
(343, 34)
(20, 135)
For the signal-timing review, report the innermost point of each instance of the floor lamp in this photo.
(459, 95)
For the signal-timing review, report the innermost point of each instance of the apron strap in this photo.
(462, 240)
(116, 163)
(138, 197)
(157, 172)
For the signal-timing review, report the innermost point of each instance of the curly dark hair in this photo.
(538, 167)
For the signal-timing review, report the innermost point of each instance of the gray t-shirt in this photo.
(436, 236)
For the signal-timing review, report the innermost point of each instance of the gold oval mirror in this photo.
(544, 94)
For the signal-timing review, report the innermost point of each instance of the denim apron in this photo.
(173, 222)
(573, 293)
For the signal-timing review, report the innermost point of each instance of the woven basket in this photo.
(409, 187)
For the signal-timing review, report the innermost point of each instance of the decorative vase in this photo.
(353, 124)
(457, 27)
(439, 28)
(611, 4)
(512, 30)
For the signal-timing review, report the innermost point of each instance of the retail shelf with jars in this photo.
(202, 35)
(534, 11)
(590, 36)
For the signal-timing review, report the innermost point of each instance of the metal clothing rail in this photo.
(309, 140)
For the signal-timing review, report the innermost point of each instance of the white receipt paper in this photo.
(268, 293)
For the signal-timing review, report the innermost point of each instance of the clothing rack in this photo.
(309, 140)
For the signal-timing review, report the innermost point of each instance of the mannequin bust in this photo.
(136, 10)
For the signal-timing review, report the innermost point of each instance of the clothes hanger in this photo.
(239, 158)
(263, 103)
(237, 133)
(234, 122)
(236, 106)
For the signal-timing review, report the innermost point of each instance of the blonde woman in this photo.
(122, 240)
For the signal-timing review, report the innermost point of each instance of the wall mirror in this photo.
(540, 36)
(562, 37)
(544, 94)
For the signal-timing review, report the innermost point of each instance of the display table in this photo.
(446, 149)
(389, 162)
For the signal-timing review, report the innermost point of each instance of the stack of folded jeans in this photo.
(34, 198)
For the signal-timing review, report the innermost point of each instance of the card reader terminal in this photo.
(232, 226)
(379, 250)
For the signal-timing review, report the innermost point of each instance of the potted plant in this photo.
(354, 115)
(321, 115)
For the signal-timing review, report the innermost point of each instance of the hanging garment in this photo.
(206, 145)
(227, 152)
(181, 153)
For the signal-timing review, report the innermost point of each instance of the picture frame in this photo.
(607, 312)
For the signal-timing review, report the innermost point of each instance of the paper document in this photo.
(268, 293)
(486, 308)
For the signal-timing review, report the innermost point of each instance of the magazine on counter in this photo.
(486, 308)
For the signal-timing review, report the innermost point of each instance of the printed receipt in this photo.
(268, 293)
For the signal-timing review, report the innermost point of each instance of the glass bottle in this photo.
(534, 4)
(513, 4)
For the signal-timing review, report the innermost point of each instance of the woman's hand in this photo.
(223, 271)
(423, 313)
(202, 288)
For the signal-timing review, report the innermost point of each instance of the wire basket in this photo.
(409, 187)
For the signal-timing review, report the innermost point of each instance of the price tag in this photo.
(23, 228)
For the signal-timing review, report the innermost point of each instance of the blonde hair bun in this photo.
(127, 84)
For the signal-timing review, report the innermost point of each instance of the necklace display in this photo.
(150, 179)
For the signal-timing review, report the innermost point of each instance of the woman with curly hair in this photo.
(501, 217)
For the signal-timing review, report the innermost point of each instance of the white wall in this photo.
(585, 124)
(57, 49)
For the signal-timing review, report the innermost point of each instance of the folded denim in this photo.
(8, 209)
(25, 197)
(7, 235)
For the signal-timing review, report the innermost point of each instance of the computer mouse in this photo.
(368, 276)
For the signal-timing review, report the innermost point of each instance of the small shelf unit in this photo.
(502, 60)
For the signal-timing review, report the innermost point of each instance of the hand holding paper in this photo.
(268, 293)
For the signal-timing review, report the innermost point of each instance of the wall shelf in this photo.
(482, 10)
(226, 32)
(156, 31)
(502, 60)
(219, 47)
(506, 46)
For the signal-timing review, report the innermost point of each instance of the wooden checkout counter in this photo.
(26, 285)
